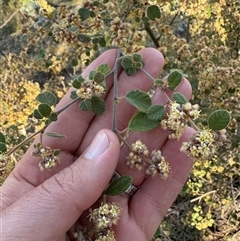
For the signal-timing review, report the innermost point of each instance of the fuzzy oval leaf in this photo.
(153, 12)
(219, 120)
(126, 62)
(53, 116)
(179, 98)
(103, 68)
(98, 105)
(41, 53)
(74, 62)
(47, 98)
(155, 112)
(73, 95)
(84, 13)
(141, 100)
(137, 57)
(37, 115)
(118, 186)
(2, 138)
(85, 105)
(44, 109)
(54, 134)
(140, 122)
(84, 38)
(174, 79)
(99, 77)
(76, 84)
(3, 147)
(131, 71)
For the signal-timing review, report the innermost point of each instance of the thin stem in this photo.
(41, 130)
(205, 194)
(26, 140)
(152, 36)
(123, 140)
(148, 75)
(193, 124)
(66, 106)
(115, 91)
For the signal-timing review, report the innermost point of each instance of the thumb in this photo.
(48, 211)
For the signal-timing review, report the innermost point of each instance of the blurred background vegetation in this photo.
(45, 44)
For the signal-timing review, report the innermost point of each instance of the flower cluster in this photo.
(61, 35)
(203, 144)
(105, 216)
(135, 158)
(107, 236)
(49, 157)
(177, 118)
(176, 121)
(159, 165)
(43, 4)
(3, 163)
(89, 89)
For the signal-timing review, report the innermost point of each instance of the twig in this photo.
(152, 36)
(115, 91)
(10, 18)
(205, 194)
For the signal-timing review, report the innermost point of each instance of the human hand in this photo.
(45, 205)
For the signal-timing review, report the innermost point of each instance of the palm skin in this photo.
(45, 205)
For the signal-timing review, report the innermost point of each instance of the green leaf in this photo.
(56, 152)
(84, 38)
(3, 147)
(73, 95)
(2, 138)
(84, 13)
(78, 82)
(137, 57)
(179, 98)
(174, 79)
(141, 100)
(118, 186)
(41, 53)
(85, 105)
(98, 105)
(74, 62)
(140, 122)
(91, 74)
(53, 116)
(103, 68)
(155, 112)
(127, 62)
(54, 134)
(219, 120)
(138, 65)
(47, 98)
(44, 109)
(99, 77)
(131, 71)
(37, 115)
(153, 12)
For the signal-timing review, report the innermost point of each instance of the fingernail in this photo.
(99, 144)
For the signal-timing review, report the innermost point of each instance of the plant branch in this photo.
(200, 197)
(10, 18)
(152, 36)
(26, 140)
(115, 91)
(41, 130)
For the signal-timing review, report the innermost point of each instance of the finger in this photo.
(156, 194)
(72, 123)
(68, 194)
(154, 139)
(153, 64)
